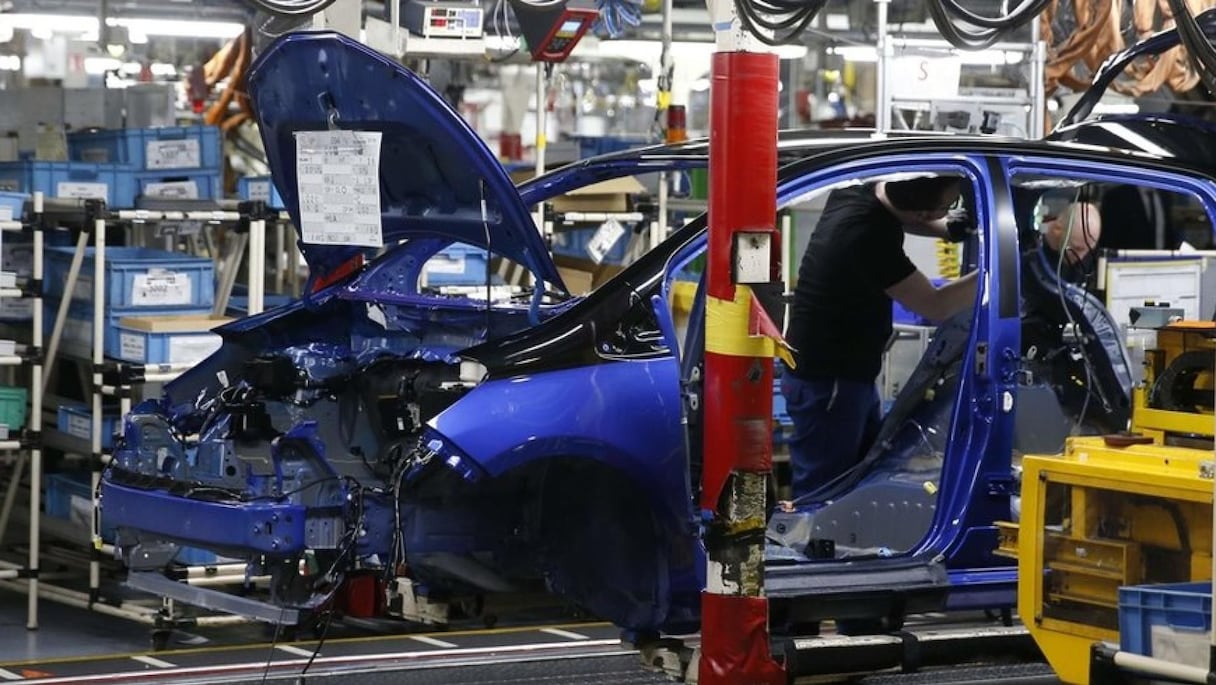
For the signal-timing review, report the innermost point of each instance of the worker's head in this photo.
(1074, 231)
(919, 200)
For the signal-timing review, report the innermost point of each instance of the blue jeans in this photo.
(835, 422)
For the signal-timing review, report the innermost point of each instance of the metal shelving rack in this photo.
(112, 378)
(31, 439)
(1034, 99)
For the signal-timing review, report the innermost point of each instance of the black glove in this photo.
(959, 226)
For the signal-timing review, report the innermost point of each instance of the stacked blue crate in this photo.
(459, 265)
(176, 162)
(139, 282)
(114, 183)
(260, 188)
(573, 243)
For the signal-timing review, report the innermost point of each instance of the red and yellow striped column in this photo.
(739, 349)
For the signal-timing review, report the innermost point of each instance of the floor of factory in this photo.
(78, 646)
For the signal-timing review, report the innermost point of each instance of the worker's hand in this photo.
(959, 225)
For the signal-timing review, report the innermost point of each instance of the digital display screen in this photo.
(569, 29)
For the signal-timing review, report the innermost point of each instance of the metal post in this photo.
(738, 371)
(99, 331)
(257, 266)
(882, 108)
(664, 102)
(35, 424)
(541, 142)
(1038, 92)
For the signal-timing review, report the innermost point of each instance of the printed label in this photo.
(159, 287)
(16, 309)
(6, 213)
(184, 349)
(87, 191)
(178, 228)
(174, 154)
(445, 264)
(259, 190)
(173, 190)
(80, 426)
(605, 237)
(132, 348)
(338, 176)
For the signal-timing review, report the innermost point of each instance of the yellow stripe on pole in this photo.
(728, 329)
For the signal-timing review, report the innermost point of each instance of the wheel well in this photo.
(601, 543)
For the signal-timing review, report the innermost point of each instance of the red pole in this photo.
(738, 369)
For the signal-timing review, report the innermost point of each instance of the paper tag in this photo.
(605, 237)
(184, 349)
(339, 185)
(80, 426)
(445, 264)
(259, 190)
(88, 191)
(16, 309)
(173, 154)
(162, 288)
(6, 213)
(917, 77)
(173, 190)
(178, 228)
(132, 348)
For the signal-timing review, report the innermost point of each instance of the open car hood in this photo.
(435, 172)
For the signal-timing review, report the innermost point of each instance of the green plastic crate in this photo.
(13, 406)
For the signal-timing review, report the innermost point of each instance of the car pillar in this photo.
(744, 250)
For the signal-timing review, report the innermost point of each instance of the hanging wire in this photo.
(1199, 51)
(290, 8)
(951, 19)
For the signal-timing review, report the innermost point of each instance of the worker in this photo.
(1074, 234)
(840, 320)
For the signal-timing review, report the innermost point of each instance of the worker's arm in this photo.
(955, 227)
(929, 229)
(917, 293)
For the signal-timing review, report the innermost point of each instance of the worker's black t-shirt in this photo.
(840, 319)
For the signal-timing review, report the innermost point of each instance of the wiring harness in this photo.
(290, 8)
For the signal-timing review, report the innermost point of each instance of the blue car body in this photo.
(540, 442)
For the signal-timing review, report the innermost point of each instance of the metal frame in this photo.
(95, 213)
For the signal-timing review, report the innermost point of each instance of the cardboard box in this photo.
(582, 269)
(606, 196)
(177, 323)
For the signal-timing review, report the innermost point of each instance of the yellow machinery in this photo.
(1119, 510)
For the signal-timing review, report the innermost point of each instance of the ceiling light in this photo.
(46, 24)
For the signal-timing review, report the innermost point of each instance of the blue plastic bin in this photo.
(459, 264)
(197, 185)
(193, 556)
(136, 278)
(76, 420)
(163, 347)
(260, 188)
(13, 204)
(62, 488)
(238, 305)
(153, 348)
(1175, 615)
(590, 146)
(114, 183)
(147, 149)
(573, 243)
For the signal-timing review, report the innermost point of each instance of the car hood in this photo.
(436, 174)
